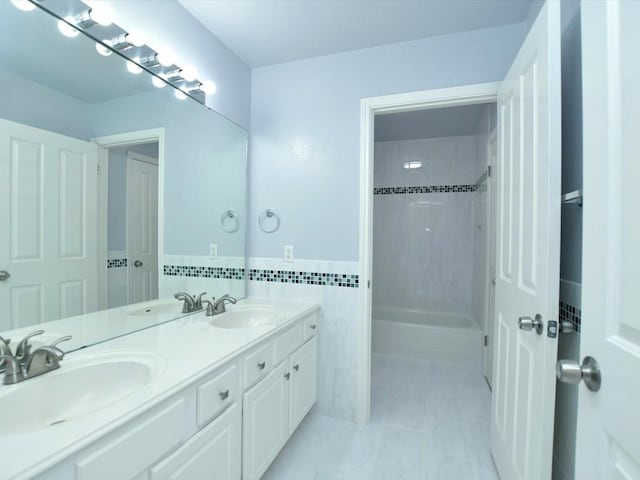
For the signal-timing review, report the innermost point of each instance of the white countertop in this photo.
(191, 348)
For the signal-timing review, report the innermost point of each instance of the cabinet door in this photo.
(265, 422)
(213, 453)
(302, 392)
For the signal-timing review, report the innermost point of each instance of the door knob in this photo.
(4, 275)
(528, 323)
(137, 263)
(569, 371)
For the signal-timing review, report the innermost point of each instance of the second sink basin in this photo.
(74, 390)
(249, 316)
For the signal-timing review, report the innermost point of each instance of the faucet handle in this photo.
(210, 306)
(24, 347)
(43, 360)
(66, 338)
(197, 304)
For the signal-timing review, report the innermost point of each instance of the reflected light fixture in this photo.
(135, 39)
(158, 82)
(180, 95)
(102, 50)
(166, 59)
(412, 165)
(66, 29)
(101, 14)
(133, 67)
(189, 74)
(24, 5)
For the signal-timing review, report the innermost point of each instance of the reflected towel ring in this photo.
(268, 213)
(231, 226)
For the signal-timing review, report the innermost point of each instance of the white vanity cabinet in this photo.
(274, 408)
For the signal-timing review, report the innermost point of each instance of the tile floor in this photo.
(429, 421)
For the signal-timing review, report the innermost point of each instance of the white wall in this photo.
(304, 163)
(423, 255)
(167, 26)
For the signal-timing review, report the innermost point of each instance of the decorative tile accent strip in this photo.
(423, 189)
(571, 313)
(305, 278)
(117, 263)
(204, 272)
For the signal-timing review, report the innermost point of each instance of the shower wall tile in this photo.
(423, 253)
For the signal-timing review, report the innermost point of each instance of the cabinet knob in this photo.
(296, 367)
(313, 326)
(287, 375)
(224, 395)
(261, 365)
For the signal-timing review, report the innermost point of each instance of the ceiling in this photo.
(436, 122)
(266, 32)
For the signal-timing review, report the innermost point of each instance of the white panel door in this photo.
(48, 207)
(265, 418)
(489, 328)
(142, 227)
(211, 454)
(302, 392)
(528, 254)
(608, 445)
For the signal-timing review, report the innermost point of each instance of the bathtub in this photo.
(443, 337)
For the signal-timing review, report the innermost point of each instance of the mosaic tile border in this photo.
(571, 313)
(464, 188)
(305, 278)
(117, 263)
(227, 273)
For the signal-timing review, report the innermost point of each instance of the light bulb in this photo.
(133, 67)
(135, 38)
(66, 29)
(101, 14)
(180, 95)
(102, 50)
(209, 87)
(158, 82)
(188, 73)
(23, 5)
(166, 59)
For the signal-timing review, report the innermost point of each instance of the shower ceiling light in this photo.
(66, 29)
(412, 165)
(24, 5)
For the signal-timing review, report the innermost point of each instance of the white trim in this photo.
(369, 107)
(132, 138)
(103, 227)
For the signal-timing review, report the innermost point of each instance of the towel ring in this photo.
(268, 213)
(231, 226)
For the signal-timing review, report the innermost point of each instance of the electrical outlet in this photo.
(288, 253)
(213, 250)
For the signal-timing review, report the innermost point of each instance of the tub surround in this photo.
(190, 349)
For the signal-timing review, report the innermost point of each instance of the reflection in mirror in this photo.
(114, 193)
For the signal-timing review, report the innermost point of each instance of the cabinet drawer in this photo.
(217, 394)
(134, 450)
(256, 365)
(287, 342)
(309, 326)
(213, 453)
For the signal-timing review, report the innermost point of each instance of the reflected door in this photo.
(142, 227)
(48, 208)
(528, 255)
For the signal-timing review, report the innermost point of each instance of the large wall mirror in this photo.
(116, 189)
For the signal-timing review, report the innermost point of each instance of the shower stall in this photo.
(431, 265)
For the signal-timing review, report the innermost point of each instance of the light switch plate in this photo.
(213, 250)
(288, 253)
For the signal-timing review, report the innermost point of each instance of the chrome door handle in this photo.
(528, 323)
(4, 275)
(569, 371)
(137, 263)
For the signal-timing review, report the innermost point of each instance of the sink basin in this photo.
(249, 316)
(172, 308)
(74, 390)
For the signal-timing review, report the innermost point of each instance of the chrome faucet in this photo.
(26, 364)
(191, 304)
(217, 307)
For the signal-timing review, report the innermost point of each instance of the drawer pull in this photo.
(224, 395)
(296, 367)
(313, 326)
(261, 365)
(287, 375)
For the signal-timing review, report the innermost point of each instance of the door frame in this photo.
(369, 107)
(123, 140)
